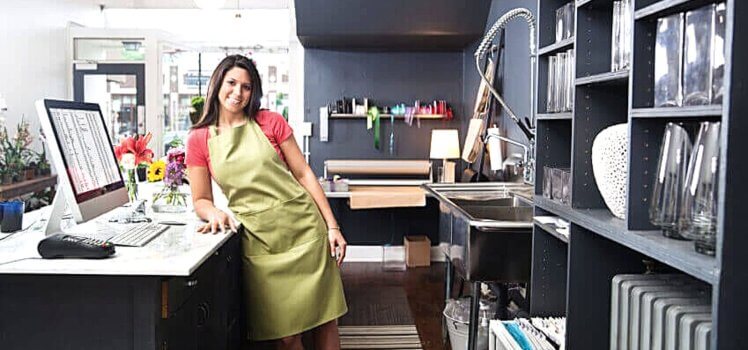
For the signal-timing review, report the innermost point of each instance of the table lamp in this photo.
(445, 144)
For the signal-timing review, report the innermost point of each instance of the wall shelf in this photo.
(609, 78)
(554, 116)
(556, 47)
(20, 188)
(397, 116)
(678, 112)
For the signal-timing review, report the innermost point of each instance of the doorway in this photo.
(120, 91)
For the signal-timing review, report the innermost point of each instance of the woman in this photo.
(292, 282)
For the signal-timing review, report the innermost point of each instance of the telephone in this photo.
(61, 245)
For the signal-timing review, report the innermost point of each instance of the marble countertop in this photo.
(179, 251)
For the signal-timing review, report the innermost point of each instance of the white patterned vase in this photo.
(610, 166)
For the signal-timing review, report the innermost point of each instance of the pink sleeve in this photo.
(196, 152)
(281, 129)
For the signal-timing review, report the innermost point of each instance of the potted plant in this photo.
(16, 150)
(42, 164)
(196, 112)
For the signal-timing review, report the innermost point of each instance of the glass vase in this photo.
(699, 213)
(170, 200)
(131, 184)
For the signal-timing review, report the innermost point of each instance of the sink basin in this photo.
(485, 230)
(499, 213)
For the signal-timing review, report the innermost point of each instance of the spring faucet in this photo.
(527, 164)
(528, 124)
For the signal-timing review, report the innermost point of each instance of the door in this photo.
(120, 91)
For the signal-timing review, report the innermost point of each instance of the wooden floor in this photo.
(377, 297)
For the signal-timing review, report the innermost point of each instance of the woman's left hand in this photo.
(337, 244)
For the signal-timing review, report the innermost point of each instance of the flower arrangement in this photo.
(131, 152)
(156, 171)
(173, 178)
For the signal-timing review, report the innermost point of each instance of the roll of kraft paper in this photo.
(473, 143)
(495, 155)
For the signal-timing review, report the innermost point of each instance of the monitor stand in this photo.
(134, 213)
(55, 216)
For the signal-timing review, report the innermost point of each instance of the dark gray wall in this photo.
(390, 78)
(387, 79)
(516, 69)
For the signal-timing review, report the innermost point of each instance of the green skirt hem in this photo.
(302, 330)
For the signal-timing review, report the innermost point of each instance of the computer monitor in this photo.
(88, 176)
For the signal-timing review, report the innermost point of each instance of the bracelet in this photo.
(333, 228)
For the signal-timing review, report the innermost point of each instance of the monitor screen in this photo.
(88, 155)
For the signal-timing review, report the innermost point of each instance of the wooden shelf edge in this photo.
(678, 112)
(556, 46)
(678, 254)
(604, 78)
(551, 231)
(667, 7)
(20, 188)
(554, 116)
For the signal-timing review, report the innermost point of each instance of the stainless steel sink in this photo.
(485, 229)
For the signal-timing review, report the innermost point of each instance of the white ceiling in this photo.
(189, 4)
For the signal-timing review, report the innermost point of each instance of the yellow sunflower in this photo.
(156, 171)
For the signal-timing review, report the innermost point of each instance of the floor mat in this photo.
(379, 337)
(376, 306)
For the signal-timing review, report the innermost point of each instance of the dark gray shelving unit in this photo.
(573, 278)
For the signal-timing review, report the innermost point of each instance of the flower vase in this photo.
(170, 200)
(131, 183)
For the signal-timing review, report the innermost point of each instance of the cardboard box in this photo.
(417, 251)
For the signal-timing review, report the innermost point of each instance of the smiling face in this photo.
(235, 92)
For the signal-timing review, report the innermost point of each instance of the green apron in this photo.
(292, 284)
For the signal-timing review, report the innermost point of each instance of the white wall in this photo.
(33, 47)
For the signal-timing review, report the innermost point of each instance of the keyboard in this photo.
(138, 235)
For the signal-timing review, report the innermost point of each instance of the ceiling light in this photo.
(209, 4)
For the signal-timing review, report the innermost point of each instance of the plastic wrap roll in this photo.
(495, 155)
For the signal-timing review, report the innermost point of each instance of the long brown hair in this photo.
(212, 104)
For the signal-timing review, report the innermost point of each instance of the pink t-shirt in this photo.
(272, 124)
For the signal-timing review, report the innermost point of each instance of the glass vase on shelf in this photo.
(700, 204)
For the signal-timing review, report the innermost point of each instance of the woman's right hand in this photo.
(217, 220)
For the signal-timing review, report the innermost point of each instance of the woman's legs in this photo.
(326, 336)
(292, 342)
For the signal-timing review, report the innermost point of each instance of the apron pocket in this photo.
(283, 227)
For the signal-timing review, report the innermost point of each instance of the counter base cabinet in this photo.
(125, 312)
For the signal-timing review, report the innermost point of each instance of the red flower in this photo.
(138, 146)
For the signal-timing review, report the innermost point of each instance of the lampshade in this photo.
(209, 4)
(445, 144)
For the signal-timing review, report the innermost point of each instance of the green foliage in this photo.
(197, 103)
